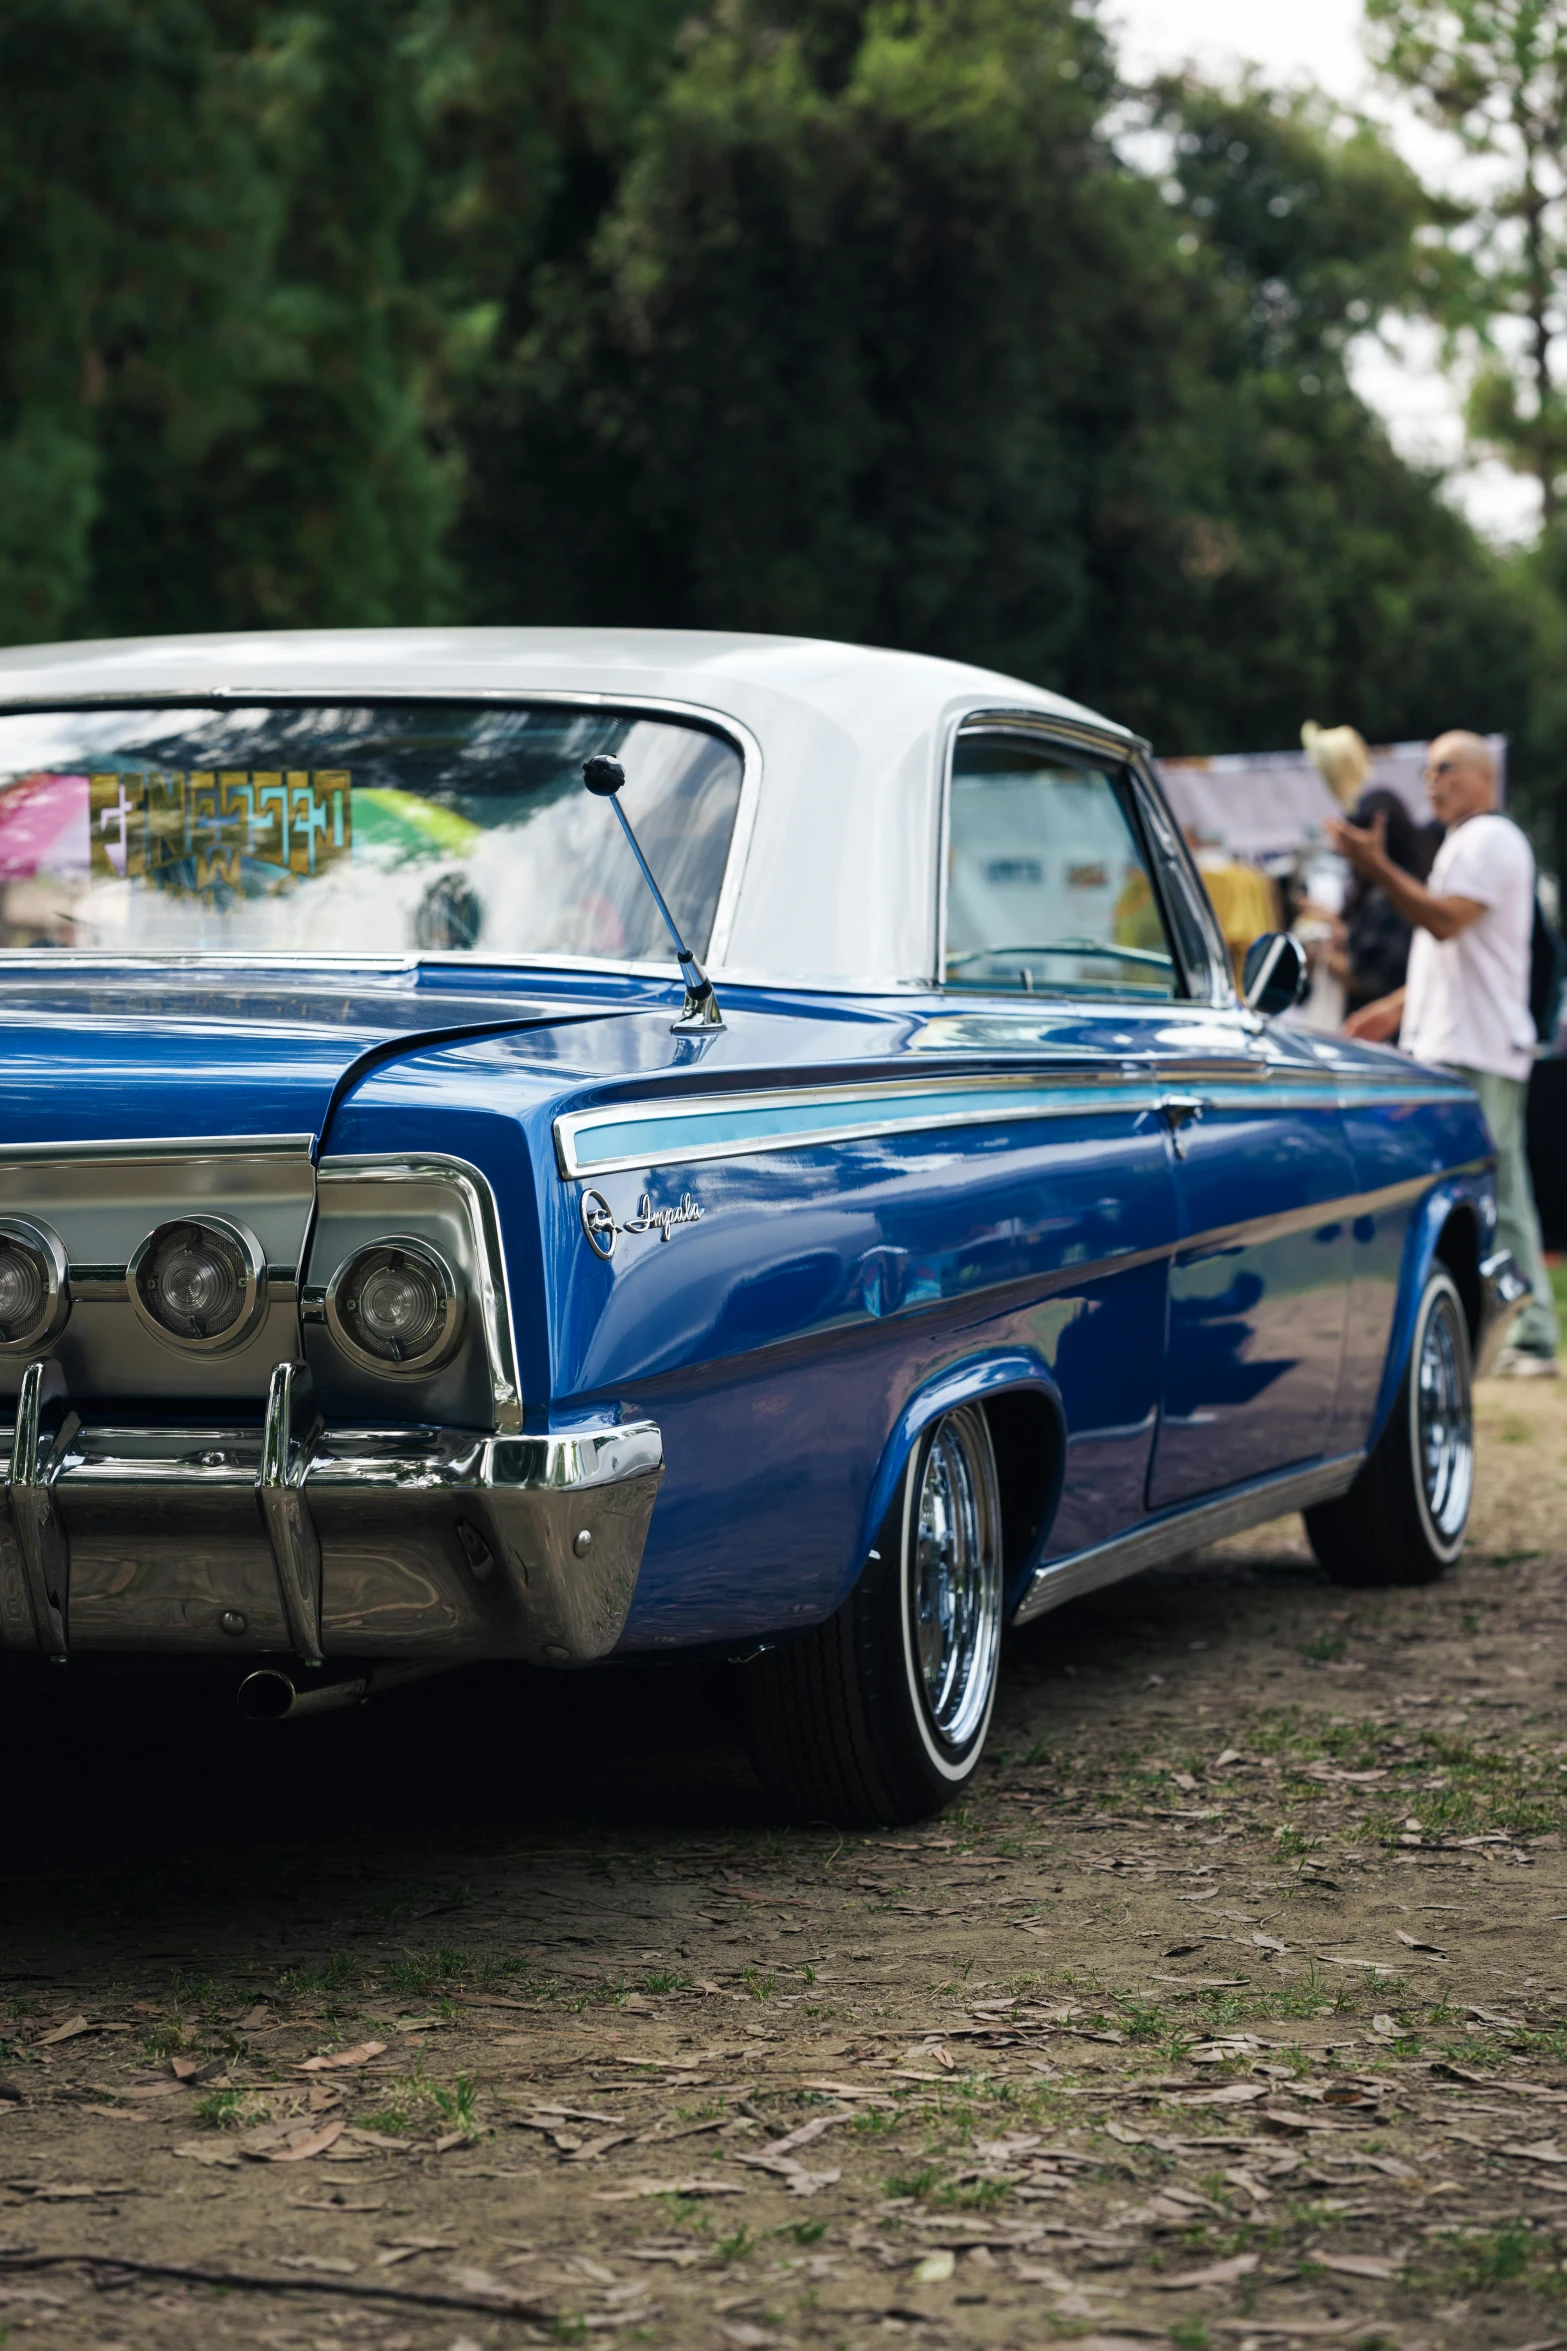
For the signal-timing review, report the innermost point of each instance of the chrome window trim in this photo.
(492, 1290)
(1146, 789)
(699, 714)
(1128, 753)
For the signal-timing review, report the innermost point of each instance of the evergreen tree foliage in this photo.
(868, 318)
(882, 338)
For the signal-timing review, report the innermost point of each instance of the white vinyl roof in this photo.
(833, 877)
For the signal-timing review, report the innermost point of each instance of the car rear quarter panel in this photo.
(789, 1343)
(1420, 1161)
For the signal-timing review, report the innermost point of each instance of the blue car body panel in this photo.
(883, 1221)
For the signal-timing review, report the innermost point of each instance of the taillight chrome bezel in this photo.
(253, 1286)
(44, 1246)
(446, 1333)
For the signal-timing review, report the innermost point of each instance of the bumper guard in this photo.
(1503, 1294)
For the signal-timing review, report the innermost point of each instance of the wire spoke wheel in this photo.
(954, 1582)
(1403, 1519)
(1444, 1430)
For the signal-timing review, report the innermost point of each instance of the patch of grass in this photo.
(735, 2248)
(163, 2040)
(668, 1981)
(567, 2327)
(1500, 2257)
(804, 2232)
(914, 2185)
(458, 2106)
(495, 1970)
(874, 2125)
(974, 2195)
(419, 1973)
(226, 2109)
(394, 2122)
(334, 1973)
(760, 1987)
(192, 1991)
(1191, 2334)
(1325, 1649)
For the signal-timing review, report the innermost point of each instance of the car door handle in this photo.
(1178, 1112)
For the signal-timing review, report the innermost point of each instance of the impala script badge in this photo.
(598, 1220)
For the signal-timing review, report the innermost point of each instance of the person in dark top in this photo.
(1375, 952)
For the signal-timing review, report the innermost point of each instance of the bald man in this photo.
(1465, 1001)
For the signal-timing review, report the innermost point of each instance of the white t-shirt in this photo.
(1466, 1002)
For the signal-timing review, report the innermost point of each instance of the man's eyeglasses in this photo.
(1441, 768)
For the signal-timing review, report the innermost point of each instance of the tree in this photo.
(881, 337)
(1494, 72)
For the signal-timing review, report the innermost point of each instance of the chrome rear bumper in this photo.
(294, 1538)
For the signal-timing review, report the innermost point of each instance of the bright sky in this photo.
(1319, 40)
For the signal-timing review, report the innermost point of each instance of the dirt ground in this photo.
(1230, 2010)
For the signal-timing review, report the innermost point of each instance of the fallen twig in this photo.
(503, 2304)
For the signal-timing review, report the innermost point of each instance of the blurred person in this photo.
(1465, 1001)
(1372, 953)
(1368, 953)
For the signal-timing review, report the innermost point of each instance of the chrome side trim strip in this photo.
(665, 1132)
(1060, 1580)
(799, 1118)
(42, 1435)
(287, 1437)
(177, 1147)
(492, 1297)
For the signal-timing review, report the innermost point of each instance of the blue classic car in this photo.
(404, 1261)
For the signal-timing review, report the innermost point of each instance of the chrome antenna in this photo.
(604, 778)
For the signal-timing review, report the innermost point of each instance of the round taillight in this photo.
(34, 1295)
(395, 1307)
(200, 1281)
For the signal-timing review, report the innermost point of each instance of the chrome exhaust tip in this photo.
(270, 1695)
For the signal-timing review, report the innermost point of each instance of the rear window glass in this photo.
(356, 828)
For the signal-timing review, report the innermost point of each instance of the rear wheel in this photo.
(1403, 1519)
(880, 1714)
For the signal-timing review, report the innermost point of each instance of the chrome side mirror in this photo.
(1275, 974)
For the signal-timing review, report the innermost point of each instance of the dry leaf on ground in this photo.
(935, 2269)
(1217, 2273)
(300, 2150)
(345, 2057)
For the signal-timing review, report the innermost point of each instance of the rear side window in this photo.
(1048, 884)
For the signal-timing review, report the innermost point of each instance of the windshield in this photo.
(380, 829)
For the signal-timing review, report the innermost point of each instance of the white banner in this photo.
(1265, 804)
